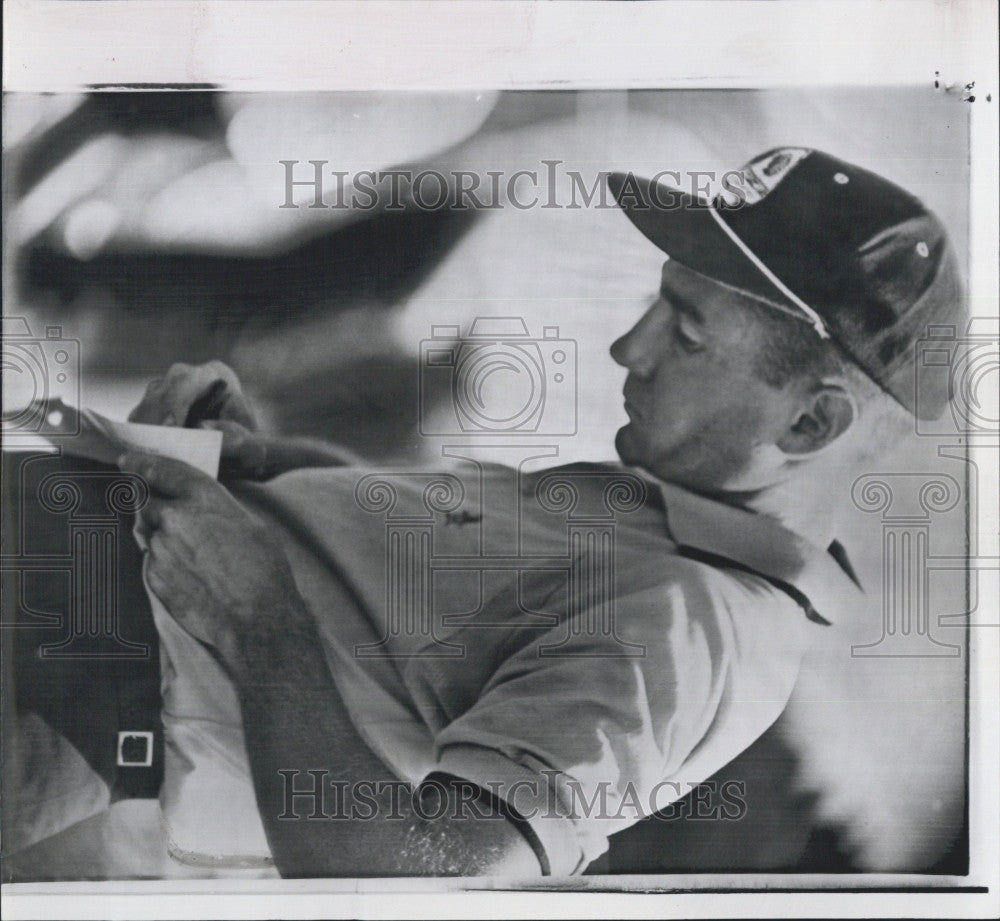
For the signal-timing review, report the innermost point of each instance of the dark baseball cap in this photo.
(850, 252)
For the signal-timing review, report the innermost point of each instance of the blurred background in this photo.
(148, 227)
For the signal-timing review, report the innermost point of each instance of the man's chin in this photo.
(626, 447)
(631, 450)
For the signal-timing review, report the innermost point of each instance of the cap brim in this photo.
(682, 227)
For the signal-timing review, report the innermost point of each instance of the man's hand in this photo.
(190, 394)
(215, 568)
(210, 396)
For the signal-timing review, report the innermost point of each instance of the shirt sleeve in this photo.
(577, 729)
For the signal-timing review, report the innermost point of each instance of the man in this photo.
(776, 361)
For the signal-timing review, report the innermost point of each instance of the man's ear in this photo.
(830, 411)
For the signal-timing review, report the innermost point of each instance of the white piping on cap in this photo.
(815, 318)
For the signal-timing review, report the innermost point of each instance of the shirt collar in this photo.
(759, 543)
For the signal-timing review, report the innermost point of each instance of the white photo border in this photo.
(71, 45)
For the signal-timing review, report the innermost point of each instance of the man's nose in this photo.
(636, 350)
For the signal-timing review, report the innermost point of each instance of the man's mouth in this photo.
(634, 414)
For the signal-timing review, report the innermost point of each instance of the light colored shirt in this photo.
(584, 642)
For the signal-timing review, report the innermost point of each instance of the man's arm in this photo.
(295, 721)
(222, 577)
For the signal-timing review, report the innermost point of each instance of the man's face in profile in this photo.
(697, 410)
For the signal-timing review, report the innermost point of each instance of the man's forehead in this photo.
(680, 281)
(676, 276)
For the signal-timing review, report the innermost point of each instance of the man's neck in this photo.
(796, 503)
(809, 513)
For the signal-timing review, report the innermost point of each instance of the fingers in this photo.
(157, 522)
(77, 177)
(238, 409)
(157, 514)
(244, 452)
(235, 437)
(89, 226)
(149, 410)
(28, 116)
(185, 384)
(170, 399)
(235, 406)
(103, 196)
(166, 477)
(150, 522)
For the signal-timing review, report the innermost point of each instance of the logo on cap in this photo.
(764, 174)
